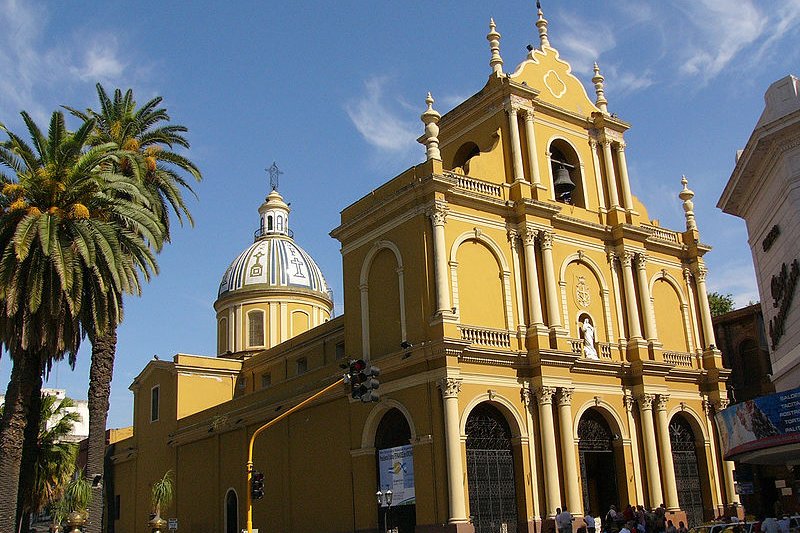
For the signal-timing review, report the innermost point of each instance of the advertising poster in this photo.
(396, 466)
(760, 423)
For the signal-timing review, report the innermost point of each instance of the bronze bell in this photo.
(563, 184)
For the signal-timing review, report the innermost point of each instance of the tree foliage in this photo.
(75, 234)
(54, 455)
(720, 303)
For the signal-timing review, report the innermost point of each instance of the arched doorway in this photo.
(395, 468)
(598, 469)
(231, 512)
(687, 473)
(490, 471)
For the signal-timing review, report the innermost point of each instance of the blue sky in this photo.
(333, 93)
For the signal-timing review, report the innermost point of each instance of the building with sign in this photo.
(542, 342)
(764, 190)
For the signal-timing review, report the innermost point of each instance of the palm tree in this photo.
(146, 132)
(53, 458)
(74, 235)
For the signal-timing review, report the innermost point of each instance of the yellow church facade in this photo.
(542, 343)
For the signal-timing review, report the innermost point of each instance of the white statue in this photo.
(588, 339)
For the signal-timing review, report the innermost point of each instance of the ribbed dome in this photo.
(273, 260)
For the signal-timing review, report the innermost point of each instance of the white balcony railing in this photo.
(679, 359)
(663, 234)
(496, 338)
(603, 348)
(479, 186)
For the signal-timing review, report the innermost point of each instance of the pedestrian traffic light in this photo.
(257, 485)
(363, 381)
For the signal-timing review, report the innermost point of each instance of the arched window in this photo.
(255, 327)
(222, 336)
(269, 223)
(231, 512)
(467, 151)
(490, 470)
(566, 171)
(687, 470)
(393, 432)
(280, 223)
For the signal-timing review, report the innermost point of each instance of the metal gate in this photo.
(687, 473)
(490, 472)
(596, 453)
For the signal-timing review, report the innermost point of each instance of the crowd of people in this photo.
(629, 520)
(640, 520)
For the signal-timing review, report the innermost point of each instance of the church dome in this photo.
(274, 260)
(272, 291)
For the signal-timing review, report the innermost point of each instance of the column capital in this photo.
(527, 113)
(565, 395)
(626, 258)
(512, 235)
(527, 396)
(720, 404)
(438, 213)
(512, 108)
(645, 401)
(529, 236)
(546, 239)
(641, 261)
(700, 273)
(628, 401)
(450, 387)
(708, 407)
(661, 402)
(621, 146)
(605, 141)
(611, 255)
(545, 395)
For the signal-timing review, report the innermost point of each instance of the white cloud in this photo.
(584, 41)
(621, 82)
(42, 68)
(101, 62)
(723, 28)
(379, 122)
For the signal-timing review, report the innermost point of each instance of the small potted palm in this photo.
(58, 514)
(161, 496)
(77, 497)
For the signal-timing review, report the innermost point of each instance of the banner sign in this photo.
(396, 466)
(763, 422)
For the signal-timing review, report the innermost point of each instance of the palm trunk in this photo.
(100, 374)
(26, 372)
(30, 452)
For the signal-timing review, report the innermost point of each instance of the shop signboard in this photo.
(763, 422)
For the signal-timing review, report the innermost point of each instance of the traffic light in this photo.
(257, 485)
(363, 381)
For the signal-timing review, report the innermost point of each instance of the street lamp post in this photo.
(384, 497)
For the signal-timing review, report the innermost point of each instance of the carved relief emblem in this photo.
(582, 294)
(554, 84)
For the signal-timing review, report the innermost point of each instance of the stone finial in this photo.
(599, 89)
(496, 62)
(688, 206)
(541, 23)
(431, 119)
